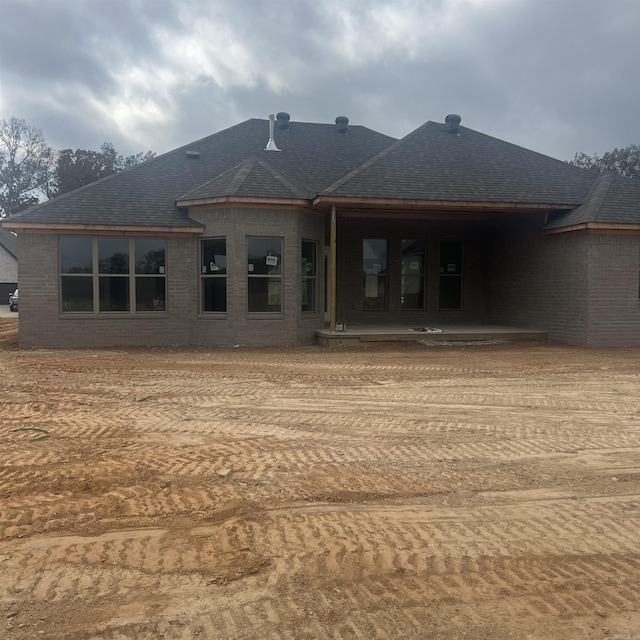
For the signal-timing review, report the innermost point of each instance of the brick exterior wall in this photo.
(43, 326)
(613, 304)
(582, 289)
(537, 282)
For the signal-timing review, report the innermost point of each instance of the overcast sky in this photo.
(557, 76)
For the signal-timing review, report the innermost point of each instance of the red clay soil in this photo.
(483, 492)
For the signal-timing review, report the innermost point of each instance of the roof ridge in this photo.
(286, 181)
(237, 180)
(598, 191)
(241, 172)
(244, 169)
(365, 165)
(127, 170)
(533, 151)
(589, 209)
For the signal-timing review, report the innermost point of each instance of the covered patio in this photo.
(432, 274)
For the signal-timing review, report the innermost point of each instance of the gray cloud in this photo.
(557, 76)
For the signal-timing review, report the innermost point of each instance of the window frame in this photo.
(422, 274)
(306, 279)
(383, 274)
(95, 275)
(213, 276)
(269, 277)
(447, 274)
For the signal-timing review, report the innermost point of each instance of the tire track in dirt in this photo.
(382, 498)
(296, 399)
(487, 558)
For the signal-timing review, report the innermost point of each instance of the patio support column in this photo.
(334, 275)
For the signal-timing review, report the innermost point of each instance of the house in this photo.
(8, 264)
(262, 233)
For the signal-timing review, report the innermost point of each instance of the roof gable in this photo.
(145, 195)
(253, 178)
(612, 200)
(431, 163)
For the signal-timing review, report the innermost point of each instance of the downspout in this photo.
(334, 276)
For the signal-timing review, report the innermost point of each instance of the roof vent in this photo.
(271, 145)
(342, 124)
(453, 122)
(283, 120)
(193, 154)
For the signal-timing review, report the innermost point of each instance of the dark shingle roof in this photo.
(253, 178)
(433, 164)
(9, 242)
(429, 164)
(612, 199)
(312, 154)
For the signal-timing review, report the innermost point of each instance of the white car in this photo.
(13, 301)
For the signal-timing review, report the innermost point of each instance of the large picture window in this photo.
(374, 267)
(413, 274)
(264, 275)
(450, 295)
(309, 276)
(107, 275)
(213, 263)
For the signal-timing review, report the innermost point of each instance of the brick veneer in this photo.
(41, 324)
(582, 289)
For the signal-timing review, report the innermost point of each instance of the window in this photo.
(413, 272)
(309, 276)
(374, 267)
(113, 267)
(264, 275)
(450, 274)
(214, 275)
(150, 285)
(105, 274)
(76, 268)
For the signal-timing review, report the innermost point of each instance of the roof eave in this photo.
(298, 202)
(458, 205)
(596, 227)
(102, 229)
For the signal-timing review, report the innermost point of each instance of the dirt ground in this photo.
(476, 492)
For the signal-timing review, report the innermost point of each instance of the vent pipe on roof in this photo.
(283, 120)
(193, 154)
(342, 124)
(453, 122)
(271, 145)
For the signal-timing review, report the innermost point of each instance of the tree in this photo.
(77, 168)
(625, 161)
(26, 163)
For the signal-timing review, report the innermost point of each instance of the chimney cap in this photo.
(283, 120)
(453, 122)
(342, 124)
